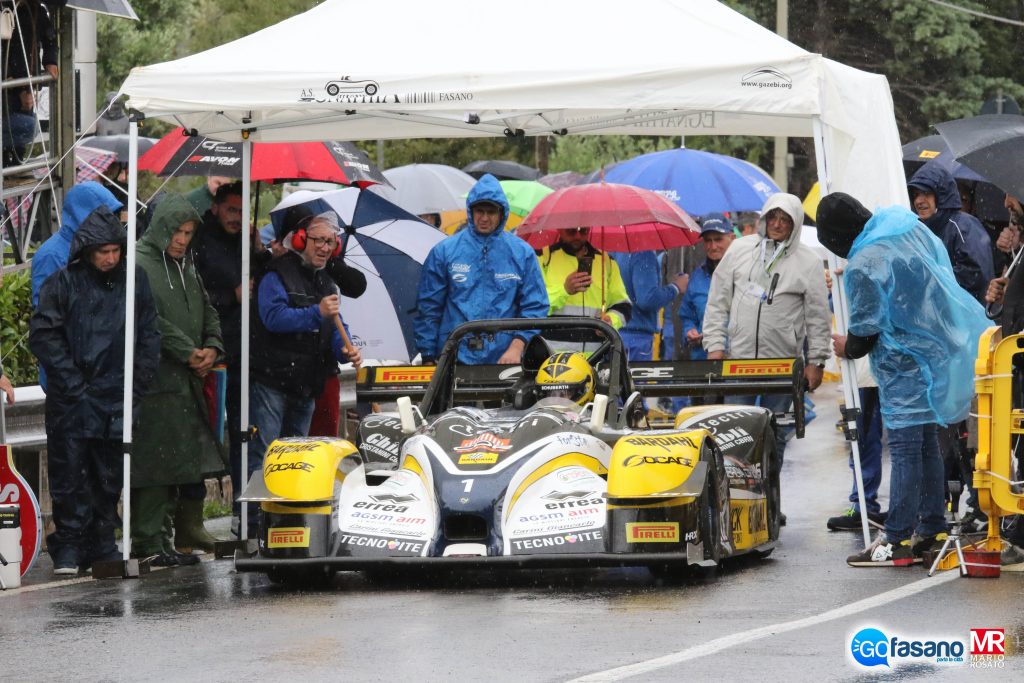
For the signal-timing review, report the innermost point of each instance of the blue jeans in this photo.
(639, 345)
(916, 498)
(777, 403)
(869, 442)
(19, 131)
(275, 415)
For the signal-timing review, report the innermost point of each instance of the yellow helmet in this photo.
(567, 375)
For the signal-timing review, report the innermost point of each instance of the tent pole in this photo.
(244, 402)
(129, 338)
(851, 395)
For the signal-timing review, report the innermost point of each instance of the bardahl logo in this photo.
(766, 77)
(663, 442)
(478, 458)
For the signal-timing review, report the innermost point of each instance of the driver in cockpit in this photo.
(565, 377)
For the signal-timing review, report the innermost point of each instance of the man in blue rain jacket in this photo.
(479, 273)
(641, 274)
(52, 255)
(920, 329)
(936, 201)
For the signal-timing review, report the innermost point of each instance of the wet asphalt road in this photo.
(208, 623)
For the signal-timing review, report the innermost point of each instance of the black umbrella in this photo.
(986, 198)
(502, 170)
(118, 144)
(992, 145)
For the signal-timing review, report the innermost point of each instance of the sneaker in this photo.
(882, 553)
(1011, 556)
(850, 520)
(65, 561)
(928, 544)
(974, 522)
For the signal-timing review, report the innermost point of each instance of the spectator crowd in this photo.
(759, 295)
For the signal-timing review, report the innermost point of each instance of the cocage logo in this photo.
(870, 647)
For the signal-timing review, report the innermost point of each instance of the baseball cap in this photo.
(486, 202)
(716, 222)
(267, 234)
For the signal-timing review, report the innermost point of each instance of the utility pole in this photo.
(780, 168)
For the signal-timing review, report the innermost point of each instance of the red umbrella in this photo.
(325, 160)
(620, 218)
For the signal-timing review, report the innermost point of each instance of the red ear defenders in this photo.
(299, 242)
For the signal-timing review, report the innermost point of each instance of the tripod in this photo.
(955, 488)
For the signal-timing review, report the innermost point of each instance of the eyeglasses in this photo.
(320, 242)
(577, 231)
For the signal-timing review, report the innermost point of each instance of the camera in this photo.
(586, 264)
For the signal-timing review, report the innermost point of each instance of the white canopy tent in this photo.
(395, 69)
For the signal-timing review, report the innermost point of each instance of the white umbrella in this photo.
(427, 188)
(389, 246)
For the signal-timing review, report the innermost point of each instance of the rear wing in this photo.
(650, 378)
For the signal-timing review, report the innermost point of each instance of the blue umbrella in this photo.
(389, 245)
(699, 182)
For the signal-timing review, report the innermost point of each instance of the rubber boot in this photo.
(189, 532)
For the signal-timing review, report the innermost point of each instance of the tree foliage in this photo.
(941, 64)
(15, 310)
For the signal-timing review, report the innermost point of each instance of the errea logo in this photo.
(766, 77)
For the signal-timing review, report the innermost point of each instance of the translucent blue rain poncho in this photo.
(901, 287)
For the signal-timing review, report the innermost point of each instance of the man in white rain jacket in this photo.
(767, 296)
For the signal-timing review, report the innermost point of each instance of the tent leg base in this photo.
(120, 569)
(226, 549)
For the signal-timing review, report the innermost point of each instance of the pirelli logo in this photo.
(756, 368)
(288, 537)
(409, 375)
(652, 532)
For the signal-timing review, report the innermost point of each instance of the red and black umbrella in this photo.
(620, 218)
(327, 160)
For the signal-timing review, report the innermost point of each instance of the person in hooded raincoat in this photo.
(921, 330)
(77, 333)
(767, 296)
(175, 445)
(52, 255)
(936, 200)
(479, 273)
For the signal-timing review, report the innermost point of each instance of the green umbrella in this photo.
(523, 195)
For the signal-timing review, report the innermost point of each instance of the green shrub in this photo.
(15, 311)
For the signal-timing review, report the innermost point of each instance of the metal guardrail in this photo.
(25, 421)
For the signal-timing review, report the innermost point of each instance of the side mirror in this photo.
(407, 415)
(598, 411)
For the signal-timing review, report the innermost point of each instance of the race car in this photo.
(551, 463)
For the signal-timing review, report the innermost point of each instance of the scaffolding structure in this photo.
(32, 188)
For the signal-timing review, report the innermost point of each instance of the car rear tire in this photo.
(710, 520)
(371, 90)
(332, 90)
(772, 488)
